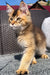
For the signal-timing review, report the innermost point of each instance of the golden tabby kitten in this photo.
(30, 38)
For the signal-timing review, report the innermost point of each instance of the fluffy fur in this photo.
(32, 39)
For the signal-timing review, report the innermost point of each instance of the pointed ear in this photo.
(10, 10)
(24, 8)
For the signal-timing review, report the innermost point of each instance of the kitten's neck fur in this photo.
(27, 30)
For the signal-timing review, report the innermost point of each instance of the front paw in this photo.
(22, 71)
(44, 56)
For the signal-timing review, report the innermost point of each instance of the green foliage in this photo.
(48, 3)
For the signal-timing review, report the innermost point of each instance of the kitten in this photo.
(30, 38)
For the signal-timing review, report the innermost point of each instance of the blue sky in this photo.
(16, 2)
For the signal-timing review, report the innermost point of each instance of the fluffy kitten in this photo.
(30, 38)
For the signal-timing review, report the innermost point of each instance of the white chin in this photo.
(14, 27)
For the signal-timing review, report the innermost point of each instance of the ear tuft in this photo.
(23, 7)
(9, 9)
(6, 2)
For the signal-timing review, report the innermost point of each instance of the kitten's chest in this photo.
(21, 41)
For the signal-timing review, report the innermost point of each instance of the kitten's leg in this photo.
(42, 51)
(34, 61)
(26, 60)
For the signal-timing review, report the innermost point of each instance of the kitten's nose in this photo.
(13, 22)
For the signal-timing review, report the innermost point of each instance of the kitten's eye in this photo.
(18, 18)
(11, 18)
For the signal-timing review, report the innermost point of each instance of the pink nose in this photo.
(13, 22)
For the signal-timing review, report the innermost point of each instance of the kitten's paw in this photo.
(22, 71)
(44, 56)
(34, 62)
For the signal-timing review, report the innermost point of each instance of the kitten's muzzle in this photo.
(13, 22)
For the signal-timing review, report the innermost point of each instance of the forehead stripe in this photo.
(14, 13)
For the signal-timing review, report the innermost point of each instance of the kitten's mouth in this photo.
(12, 24)
(15, 27)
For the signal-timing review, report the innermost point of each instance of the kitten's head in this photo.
(19, 19)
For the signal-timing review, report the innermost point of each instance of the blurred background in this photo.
(17, 2)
